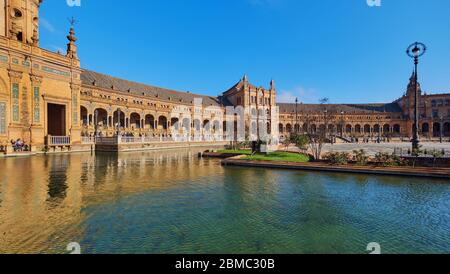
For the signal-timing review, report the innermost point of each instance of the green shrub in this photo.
(337, 158)
(386, 159)
(360, 157)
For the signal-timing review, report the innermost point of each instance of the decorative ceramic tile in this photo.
(2, 118)
(55, 71)
(15, 94)
(37, 114)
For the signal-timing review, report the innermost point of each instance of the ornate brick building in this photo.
(389, 120)
(47, 99)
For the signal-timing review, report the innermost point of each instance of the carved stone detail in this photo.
(16, 76)
(36, 80)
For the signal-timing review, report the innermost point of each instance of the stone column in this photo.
(37, 131)
(15, 129)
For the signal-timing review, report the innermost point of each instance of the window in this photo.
(433, 103)
(16, 13)
(448, 112)
(447, 102)
(435, 113)
(440, 103)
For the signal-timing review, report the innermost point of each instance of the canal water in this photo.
(173, 202)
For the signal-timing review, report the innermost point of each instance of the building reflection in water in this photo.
(169, 202)
(42, 198)
(57, 178)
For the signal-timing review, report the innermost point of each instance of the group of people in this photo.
(19, 145)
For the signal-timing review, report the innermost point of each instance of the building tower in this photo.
(410, 96)
(21, 20)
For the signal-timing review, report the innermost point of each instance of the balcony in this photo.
(57, 141)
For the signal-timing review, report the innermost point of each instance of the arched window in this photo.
(135, 120)
(376, 128)
(149, 121)
(348, 129)
(288, 128)
(425, 128)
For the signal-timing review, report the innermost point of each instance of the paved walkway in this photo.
(373, 149)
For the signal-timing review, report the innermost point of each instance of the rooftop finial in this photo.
(71, 47)
(72, 21)
(245, 78)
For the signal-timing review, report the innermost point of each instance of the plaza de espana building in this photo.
(47, 98)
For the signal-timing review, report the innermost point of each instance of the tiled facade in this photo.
(44, 94)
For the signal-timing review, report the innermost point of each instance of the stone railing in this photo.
(117, 140)
(58, 140)
(87, 140)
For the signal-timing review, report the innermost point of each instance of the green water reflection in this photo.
(172, 202)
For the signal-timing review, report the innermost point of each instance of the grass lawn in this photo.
(279, 156)
(237, 152)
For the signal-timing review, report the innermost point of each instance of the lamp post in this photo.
(296, 116)
(415, 51)
(96, 123)
(342, 124)
(441, 128)
(118, 121)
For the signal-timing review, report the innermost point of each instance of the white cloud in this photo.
(47, 25)
(304, 95)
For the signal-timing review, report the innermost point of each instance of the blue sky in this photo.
(340, 49)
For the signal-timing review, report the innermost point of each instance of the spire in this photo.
(245, 78)
(272, 85)
(413, 76)
(71, 47)
(412, 83)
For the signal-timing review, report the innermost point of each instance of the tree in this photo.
(436, 154)
(301, 141)
(316, 145)
(287, 143)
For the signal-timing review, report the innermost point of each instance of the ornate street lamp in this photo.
(96, 123)
(441, 127)
(118, 121)
(415, 51)
(296, 116)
